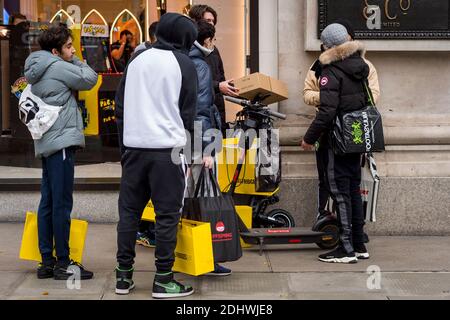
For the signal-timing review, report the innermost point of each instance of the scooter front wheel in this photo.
(280, 218)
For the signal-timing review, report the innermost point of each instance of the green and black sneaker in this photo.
(124, 282)
(165, 287)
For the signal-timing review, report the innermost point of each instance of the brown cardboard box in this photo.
(255, 83)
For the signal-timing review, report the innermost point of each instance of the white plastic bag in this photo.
(38, 116)
(370, 185)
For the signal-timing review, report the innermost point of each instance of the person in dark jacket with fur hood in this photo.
(341, 90)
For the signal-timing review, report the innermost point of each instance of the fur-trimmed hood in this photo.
(342, 52)
(346, 58)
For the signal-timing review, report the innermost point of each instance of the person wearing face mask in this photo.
(222, 87)
(54, 73)
(207, 113)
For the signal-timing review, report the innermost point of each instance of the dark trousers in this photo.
(324, 193)
(56, 205)
(344, 178)
(150, 175)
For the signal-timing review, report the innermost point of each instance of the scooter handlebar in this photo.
(277, 115)
(246, 103)
(240, 102)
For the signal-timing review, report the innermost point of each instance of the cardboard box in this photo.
(258, 83)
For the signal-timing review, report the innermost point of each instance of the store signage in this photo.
(389, 19)
(94, 30)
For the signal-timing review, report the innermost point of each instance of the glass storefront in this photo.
(96, 26)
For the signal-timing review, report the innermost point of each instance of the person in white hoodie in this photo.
(155, 106)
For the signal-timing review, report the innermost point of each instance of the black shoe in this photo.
(65, 271)
(361, 251)
(45, 271)
(219, 271)
(124, 282)
(165, 287)
(338, 256)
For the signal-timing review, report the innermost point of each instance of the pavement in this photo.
(408, 268)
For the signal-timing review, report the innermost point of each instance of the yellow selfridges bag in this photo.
(245, 212)
(29, 249)
(194, 251)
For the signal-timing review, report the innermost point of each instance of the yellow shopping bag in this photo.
(149, 212)
(194, 252)
(29, 249)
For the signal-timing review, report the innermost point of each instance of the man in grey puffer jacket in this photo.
(53, 73)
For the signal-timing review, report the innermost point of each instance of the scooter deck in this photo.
(282, 236)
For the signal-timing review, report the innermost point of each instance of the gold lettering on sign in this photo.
(386, 10)
(405, 5)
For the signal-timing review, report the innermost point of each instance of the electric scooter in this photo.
(279, 228)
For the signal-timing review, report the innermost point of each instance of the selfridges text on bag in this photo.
(268, 162)
(359, 131)
(370, 185)
(38, 116)
(220, 212)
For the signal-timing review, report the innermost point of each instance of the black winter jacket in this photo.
(215, 62)
(341, 87)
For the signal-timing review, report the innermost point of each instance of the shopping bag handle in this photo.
(201, 183)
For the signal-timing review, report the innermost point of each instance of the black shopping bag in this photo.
(219, 211)
(268, 163)
(359, 131)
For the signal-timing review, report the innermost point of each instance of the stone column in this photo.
(268, 38)
(29, 9)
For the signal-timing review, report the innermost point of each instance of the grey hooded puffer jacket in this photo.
(53, 80)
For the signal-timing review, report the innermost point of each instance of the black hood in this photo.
(175, 32)
(348, 58)
(354, 66)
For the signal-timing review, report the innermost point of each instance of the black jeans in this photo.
(344, 178)
(150, 175)
(56, 205)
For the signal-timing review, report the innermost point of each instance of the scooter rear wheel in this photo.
(285, 219)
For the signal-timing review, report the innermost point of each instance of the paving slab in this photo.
(9, 281)
(421, 284)
(389, 253)
(35, 289)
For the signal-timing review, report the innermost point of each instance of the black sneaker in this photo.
(361, 251)
(338, 256)
(124, 282)
(165, 287)
(45, 271)
(65, 271)
(219, 271)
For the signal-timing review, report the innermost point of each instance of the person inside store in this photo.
(122, 50)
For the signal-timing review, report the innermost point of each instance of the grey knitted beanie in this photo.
(333, 35)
